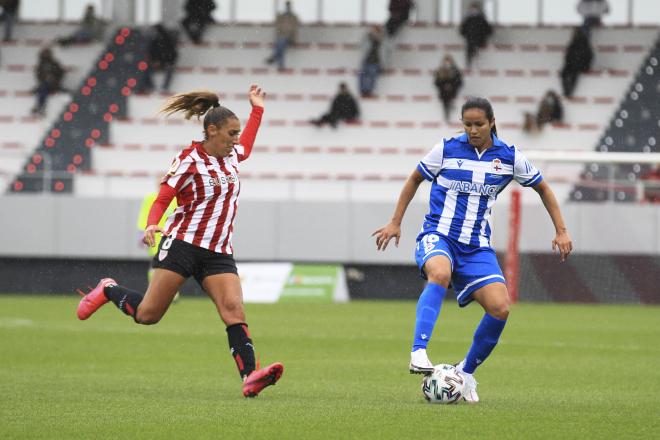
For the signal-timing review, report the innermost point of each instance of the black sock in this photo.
(125, 299)
(241, 348)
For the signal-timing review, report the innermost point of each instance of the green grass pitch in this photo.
(560, 371)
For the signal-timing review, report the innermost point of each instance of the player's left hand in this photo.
(149, 237)
(256, 95)
(562, 242)
(385, 234)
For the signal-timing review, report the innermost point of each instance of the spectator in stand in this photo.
(162, 55)
(344, 108)
(476, 30)
(577, 59)
(91, 29)
(198, 16)
(49, 74)
(550, 109)
(529, 123)
(448, 81)
(286, 32)
(592, 12)
(399, 14)
(9, 14)
(374, 56)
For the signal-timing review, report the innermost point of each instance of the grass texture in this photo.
(560, 371)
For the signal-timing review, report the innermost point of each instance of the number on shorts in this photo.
(167, 243)
(429, 241)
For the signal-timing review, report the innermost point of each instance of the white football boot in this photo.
(420, 363)
(469, 384)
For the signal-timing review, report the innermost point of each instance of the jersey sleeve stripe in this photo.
(424, 171)
(533, 180)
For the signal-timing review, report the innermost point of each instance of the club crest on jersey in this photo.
(497, 165)
(162, 255)
(175, 166)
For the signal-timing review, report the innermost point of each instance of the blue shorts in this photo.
(471, 267)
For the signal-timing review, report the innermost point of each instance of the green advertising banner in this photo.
(308, 282)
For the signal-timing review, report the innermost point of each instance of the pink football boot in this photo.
(94, 299)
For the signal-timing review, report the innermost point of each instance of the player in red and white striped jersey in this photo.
(197, 236)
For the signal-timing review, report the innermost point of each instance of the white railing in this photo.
(558, 167)
(449, 12)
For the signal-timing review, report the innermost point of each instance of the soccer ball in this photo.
(444, 385)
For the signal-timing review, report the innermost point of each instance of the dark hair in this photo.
(481, 104)
(198, 103)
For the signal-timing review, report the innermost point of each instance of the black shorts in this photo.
(187, 259)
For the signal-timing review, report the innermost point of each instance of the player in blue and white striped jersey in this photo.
(467, 173)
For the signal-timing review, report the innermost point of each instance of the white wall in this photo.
(306, 231)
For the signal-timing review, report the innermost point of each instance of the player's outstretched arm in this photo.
(257, 97)
(562, 240)
(393, 228)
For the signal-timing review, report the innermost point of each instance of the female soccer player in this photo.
(197, 236)
(467, 173)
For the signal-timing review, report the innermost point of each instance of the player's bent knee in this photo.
(233, 310)
(500, 311)
(438, 276)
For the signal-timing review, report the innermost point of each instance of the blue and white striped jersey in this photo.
(466, 184)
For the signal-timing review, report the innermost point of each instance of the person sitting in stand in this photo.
(8, 15)
(344, 108)
(198, 16)
(49, 74)
(91, 29)
(448, 81)
(592, 12)
(550, 109)
(374, 50)
(286, 33)
(399, 14)
(476, 30)
(162, 56)
(577, 59)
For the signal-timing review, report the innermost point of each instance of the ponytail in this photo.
(198, 103)
(195, 103)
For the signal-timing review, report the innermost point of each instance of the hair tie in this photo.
(216, 104)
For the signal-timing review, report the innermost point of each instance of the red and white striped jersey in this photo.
(207, 190)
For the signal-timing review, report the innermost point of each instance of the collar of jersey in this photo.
(496, 141)
(199, 146)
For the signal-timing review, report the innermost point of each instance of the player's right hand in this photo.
(256, 95)
(149, 237)
(385, 234)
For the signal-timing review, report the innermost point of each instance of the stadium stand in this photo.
(65, 147)
(634, 127)
(398, 125)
